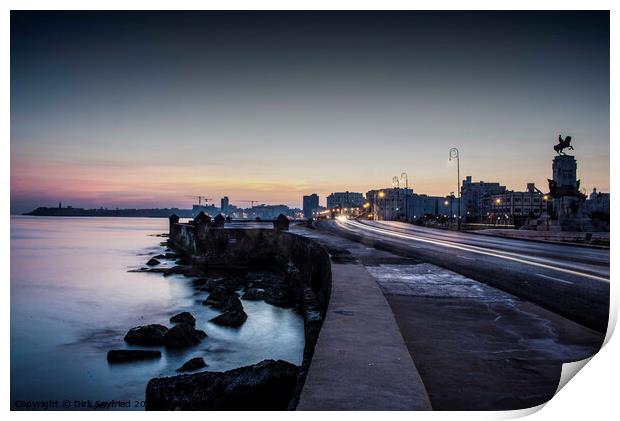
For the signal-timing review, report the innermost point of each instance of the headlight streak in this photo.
(472, 249)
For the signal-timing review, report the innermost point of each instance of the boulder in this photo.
(182, 335)
(254, 294)
(185, 317)
(229, 303)
(180, 270)
(146, 335)
(218, 295)
(268, 385)
(193, 365)
(127, 355)
(153, 262)
(231, 318)
(279, 298)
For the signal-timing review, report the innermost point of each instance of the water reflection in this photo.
(72, 300)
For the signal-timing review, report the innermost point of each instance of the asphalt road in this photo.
(570, 280)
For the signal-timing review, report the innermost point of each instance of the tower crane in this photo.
(201, 198)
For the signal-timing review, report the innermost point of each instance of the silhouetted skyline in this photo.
(141, 109)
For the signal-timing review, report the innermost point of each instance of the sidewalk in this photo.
(361, 361)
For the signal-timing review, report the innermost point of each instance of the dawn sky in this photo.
(143, 109)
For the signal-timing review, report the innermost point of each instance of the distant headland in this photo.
(143, 213)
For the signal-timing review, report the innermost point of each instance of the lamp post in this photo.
(454, 154)
(451, 211)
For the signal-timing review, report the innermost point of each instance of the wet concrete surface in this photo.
(475, 347)
(569, 280)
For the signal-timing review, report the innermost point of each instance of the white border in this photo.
(591, 395)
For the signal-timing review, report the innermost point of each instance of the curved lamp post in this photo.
(454, 154)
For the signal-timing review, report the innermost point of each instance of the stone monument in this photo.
(565, 202)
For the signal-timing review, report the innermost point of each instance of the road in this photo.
(570, 280)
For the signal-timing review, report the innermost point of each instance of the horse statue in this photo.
(563, 144)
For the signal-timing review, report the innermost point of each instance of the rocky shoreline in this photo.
(270, 385)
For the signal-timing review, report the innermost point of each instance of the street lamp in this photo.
(381, 195)
(454, 154)
(451, 203)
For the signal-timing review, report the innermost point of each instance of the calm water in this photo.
(72, 300)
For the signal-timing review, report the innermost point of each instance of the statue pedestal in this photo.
(566, 203)
(565, 174)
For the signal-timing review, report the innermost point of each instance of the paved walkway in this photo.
(474, 346)
(361, 361)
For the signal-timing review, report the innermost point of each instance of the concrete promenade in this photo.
(473, 346)
(361, 361)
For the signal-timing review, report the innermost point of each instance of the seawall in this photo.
(305, 264)
(355, 357)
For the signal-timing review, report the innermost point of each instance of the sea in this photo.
(73, 298)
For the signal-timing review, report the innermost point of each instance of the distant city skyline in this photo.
(142, 110)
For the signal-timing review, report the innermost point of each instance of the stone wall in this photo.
(305, 264)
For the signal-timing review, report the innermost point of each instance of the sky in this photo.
(146, 109)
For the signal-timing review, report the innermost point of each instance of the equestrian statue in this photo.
(563, 144)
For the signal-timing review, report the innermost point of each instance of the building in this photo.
(345, 199)
(208, 209)
(310, 204)
(389, 204)
(224, 204)
(598, 202)
(269, 212)
(423, 206)
(514, 207)
(473, 196)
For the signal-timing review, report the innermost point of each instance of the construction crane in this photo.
(200, 199)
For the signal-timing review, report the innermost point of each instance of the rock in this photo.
(160, 256)
(158, 270)
(171, 255)
(193, 365)
(127, 355)
(182, 335)
(279, 298)
(268, 385)
(229, 285)
(231, 318)
(181, 270)
(185, 317)
(153, 262)
(230, 303)
(254, 294)
(271, 287)
(146, 335)
(218, 295)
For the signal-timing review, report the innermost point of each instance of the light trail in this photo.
(472, 249)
